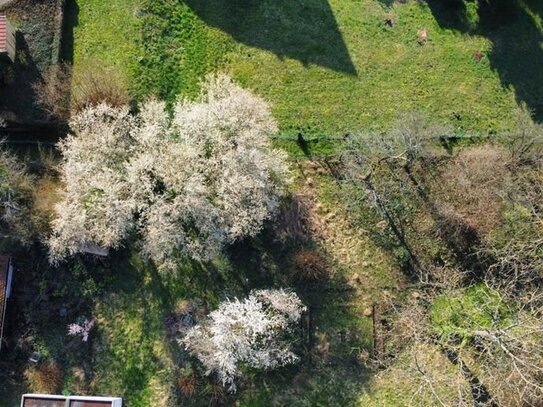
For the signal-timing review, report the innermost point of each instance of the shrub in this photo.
(516, 247)
(96, 205)
(187, 384)
(525, 140)
(54, 90)
(310, 267)
(254, 333)
(471, 187)
(189, 185)
(16, 197)
(96, 85)
(44, 378)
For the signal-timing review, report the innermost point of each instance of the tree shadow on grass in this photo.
(305, 30)
(71, 20)
(17, 94)
(517, 54)
(516, 31)
(334, 330)
(328, 372)
(131, 350)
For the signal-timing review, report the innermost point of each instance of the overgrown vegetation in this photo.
(38, 26)
(414, 243)
(441, 213)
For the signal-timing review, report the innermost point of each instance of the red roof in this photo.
(3, 32)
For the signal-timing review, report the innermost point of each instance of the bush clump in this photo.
(309, 266)
(44, 378)
(96, 85)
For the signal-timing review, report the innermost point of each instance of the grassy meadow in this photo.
(327, 67)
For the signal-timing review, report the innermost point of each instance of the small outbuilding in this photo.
(47, 400)
(7, 39)
(6, 277)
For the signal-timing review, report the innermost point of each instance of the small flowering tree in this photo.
(82, 330)
(254, 332)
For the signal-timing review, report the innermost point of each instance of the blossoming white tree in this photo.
(97, 206)
(253, 332)
(188, 184)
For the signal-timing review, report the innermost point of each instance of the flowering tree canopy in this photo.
(97, 206)
(253, 332)
(188, 184)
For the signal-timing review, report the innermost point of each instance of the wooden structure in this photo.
(7, 39)
(91, 248)
(378, 334)
(6, 277)
(47, 400)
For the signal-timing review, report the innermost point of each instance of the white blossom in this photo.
(82, 329)
(187, 184)
(96, 206)
(253, 332)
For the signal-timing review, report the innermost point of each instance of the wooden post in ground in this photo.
(378, 341)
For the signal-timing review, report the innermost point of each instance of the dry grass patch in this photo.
(310, 266)
(470, 188)
(44, 378)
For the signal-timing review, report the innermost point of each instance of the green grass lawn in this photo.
(103, 33)
(394, 75)
(327, 67)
